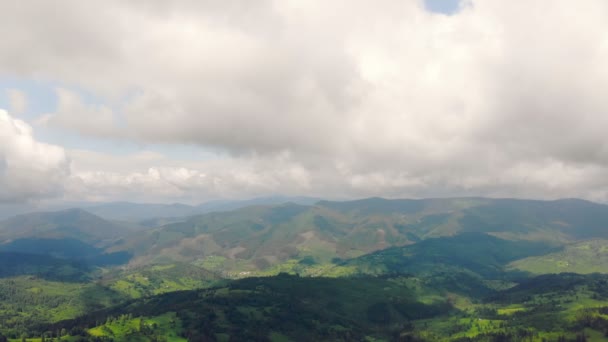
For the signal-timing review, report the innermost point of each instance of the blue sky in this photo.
(442, 6)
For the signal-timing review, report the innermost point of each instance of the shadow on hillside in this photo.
(13, 264)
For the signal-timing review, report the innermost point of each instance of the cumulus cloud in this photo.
(99, 176)
(102, 177)
(345, 98)
(28, 169)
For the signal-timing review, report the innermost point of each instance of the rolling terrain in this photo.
(461, 269)
(589, 256)
(76, 224)
(311, 238)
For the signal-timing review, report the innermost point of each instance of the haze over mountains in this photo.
(288, 236)
(264, 233)
(133, 212)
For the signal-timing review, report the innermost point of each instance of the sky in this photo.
(190, 101)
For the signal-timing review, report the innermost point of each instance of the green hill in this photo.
(257, 238)
(309, 239)
(18, 264)
(27, 302)
(414, 270)
(156, 279)
(285, 307)
(66, 224)
(478, 253)
(583, 258)
(403, 308)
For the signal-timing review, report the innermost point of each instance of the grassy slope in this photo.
(583, 257)
(28, 301)
(72, 223)
(127, 328)
(157, 279)
(37, 289)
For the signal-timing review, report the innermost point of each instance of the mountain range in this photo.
(375, 269)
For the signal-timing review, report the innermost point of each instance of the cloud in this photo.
(73, 114)
(29, 169)
(152, 177)
(340, 98)
(98, 176)
(17, 100)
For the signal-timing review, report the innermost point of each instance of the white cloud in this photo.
(17, 100)
(28, 169)
(346, 98)
(99, 176)
(151, 177)
(73, 114)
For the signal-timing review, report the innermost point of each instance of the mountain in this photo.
(456, 269)
(66, 248)
(582, 257)
(570, 219)
(9, 210)
(260, 236)
(153, 212)
(75, 224)
(311, 238)
(75, 235)
(480, 254)
(133, 212)
(18, 264)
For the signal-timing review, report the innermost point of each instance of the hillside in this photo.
(27, 302)
(289, 308)
(75, 224)
(480, 254)
(459, 269)
(151, 212)
(310, 238)
(18, 264)
(583, 258)
(556, 221)
(152, 280)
